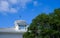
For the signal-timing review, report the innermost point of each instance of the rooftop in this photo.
(11, 30)
(15, 29)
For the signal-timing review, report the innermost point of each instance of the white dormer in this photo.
(20, 25)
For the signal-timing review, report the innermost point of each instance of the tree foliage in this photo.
(45, 26)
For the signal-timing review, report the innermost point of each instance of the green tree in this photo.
(45, 26)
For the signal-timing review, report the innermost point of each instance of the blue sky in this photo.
(11, 10)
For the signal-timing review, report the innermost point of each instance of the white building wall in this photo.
(14, 32)
(11, 35)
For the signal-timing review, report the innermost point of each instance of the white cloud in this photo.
(13, 1)
(4, 6)
(13, 10)
(23, 3)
